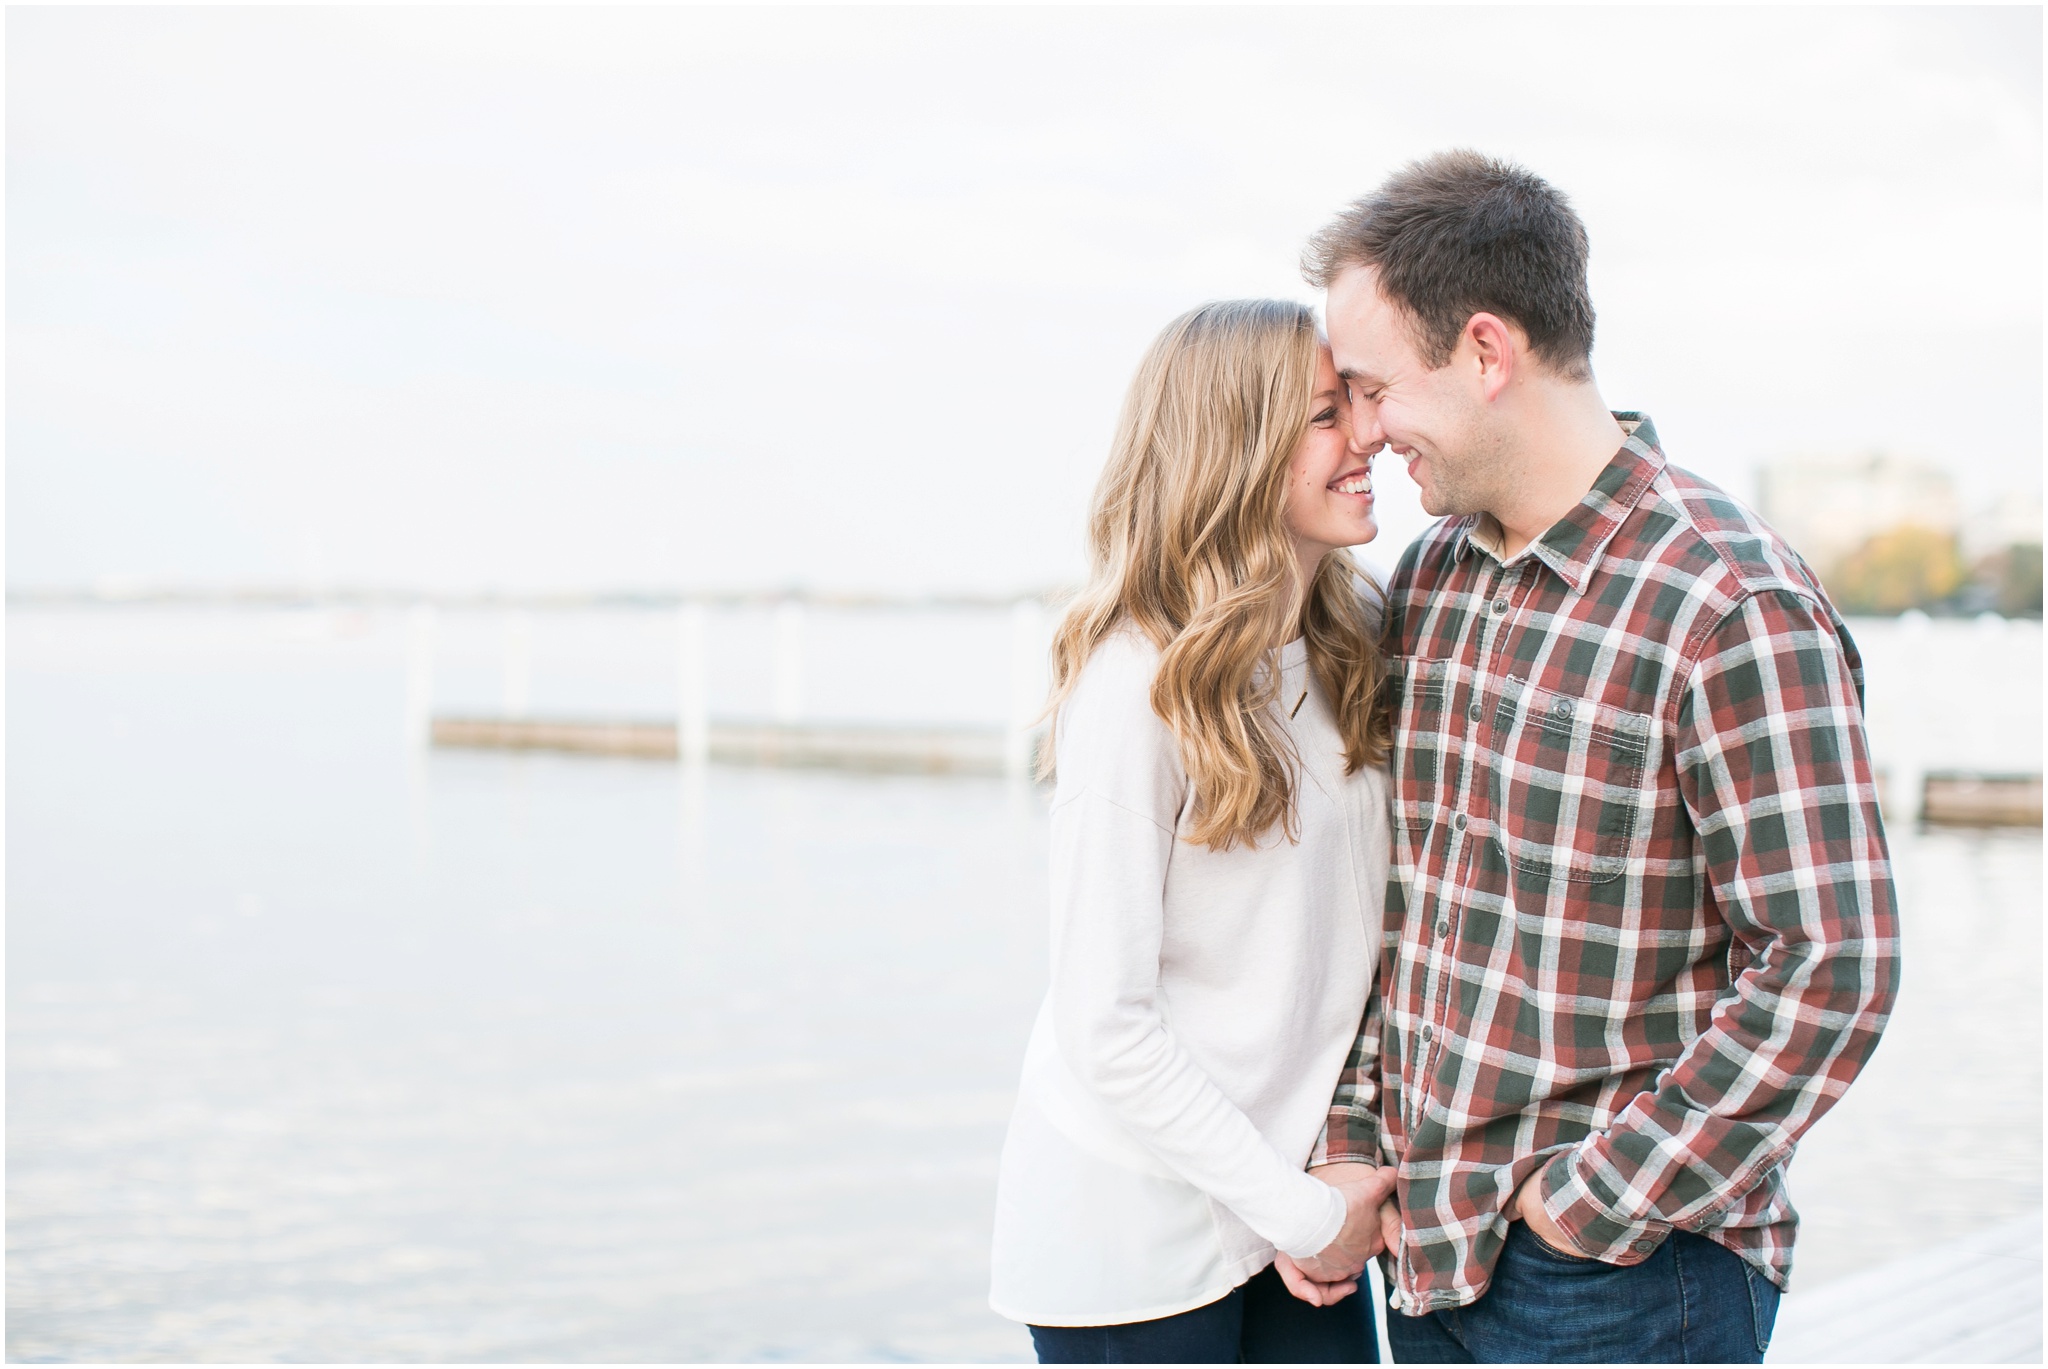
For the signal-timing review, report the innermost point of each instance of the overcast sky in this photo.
(847, 298)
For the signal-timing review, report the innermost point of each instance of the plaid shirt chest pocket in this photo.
(1568, 784)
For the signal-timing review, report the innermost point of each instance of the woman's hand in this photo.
(1307, 1289)
(1331, 1274)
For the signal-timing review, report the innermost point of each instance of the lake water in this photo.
(321, 1049)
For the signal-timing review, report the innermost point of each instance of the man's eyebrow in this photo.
(1348, 374)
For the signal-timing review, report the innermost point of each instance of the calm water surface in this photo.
(319, 1051)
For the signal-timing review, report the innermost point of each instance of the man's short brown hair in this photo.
(1457, 234)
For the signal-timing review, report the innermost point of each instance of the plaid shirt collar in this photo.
(1573, 545)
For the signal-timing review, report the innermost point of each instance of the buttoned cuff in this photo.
(1590, 1216)
(1349, 1134)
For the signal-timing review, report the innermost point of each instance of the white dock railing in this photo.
(789, 736)
(1935, 761)
(1952, 707)
(693, 687)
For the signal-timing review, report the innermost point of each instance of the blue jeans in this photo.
(1259, 1322)
(1691, 1302)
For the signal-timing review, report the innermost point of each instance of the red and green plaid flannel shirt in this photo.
(1640, 927)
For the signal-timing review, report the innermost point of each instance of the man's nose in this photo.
(1366, 436)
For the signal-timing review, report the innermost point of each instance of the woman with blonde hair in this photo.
(1219, 855)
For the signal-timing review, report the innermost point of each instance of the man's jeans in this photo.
(1691, 1302)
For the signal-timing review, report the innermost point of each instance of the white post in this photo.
(690, 853)
(1027, 683)
(419, 676)
(518, 663)
(693, 701)
(789, 661)
(1908, 778)
(1987, 745)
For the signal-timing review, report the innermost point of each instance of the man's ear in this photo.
(1496, 348)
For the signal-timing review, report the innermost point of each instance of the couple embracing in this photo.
(1509, 926)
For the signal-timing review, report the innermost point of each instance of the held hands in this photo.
(1371, 1222)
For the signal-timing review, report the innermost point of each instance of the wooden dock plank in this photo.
(915, 750)
(1983, 800)
(1976, 1300)
(594, 738)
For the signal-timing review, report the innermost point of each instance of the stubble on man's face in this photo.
(1466, 471)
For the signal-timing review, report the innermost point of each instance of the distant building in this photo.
(2011, 520)
(1887, 533)
(1829, 507)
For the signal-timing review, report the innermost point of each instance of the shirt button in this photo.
(1644, 1247)
(1499, 606)
(1443, 926)
(1459, 822)
(1474, 710)
(1425, 1035)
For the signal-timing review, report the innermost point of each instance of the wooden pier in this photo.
(1948, 798)
(1938, 780)
(1959, 800)
(910, 750)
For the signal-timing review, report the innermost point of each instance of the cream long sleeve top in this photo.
(1202, 1004)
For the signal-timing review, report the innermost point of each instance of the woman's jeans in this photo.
(1691, 1302)
(1259, 1322)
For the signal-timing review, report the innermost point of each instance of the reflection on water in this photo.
(319, 1052)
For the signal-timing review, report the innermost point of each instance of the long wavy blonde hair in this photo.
(1187, 545)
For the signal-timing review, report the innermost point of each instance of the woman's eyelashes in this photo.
(1326, 417)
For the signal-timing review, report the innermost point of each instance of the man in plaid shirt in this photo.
(1641, 926)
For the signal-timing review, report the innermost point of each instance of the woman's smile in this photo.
(1356, 481)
